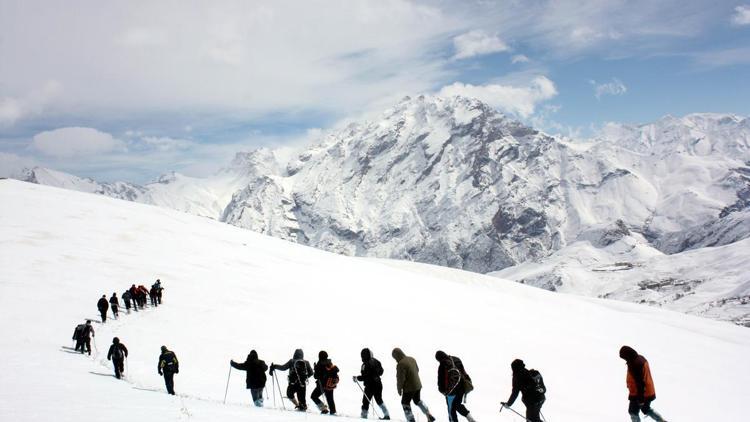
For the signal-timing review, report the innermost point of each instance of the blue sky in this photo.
(131, 90)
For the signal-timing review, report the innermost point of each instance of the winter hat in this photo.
(299, 354)
(163, 349)
(628, 353)
(440, 355)
(366, 354)
(517, 365)
(322, 355)
(116, 340)
(253, 355)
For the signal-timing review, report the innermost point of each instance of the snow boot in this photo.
(470, 418)
(408, 413)
(323, 408)
(363, 414)
(386, 416)
(426, 411)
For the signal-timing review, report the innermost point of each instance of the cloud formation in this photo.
(70, 142)
(519, 58)
(477, 43)
(741, 15)
(33, 102)
(517, 100)
(615, 87)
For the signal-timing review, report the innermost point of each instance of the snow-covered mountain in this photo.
(450, 181)
(229, 290)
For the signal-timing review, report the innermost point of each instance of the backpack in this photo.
(299, 367)
(331, 377)
(536, 386)
(118, 353)
(78, 332)
(169, 362)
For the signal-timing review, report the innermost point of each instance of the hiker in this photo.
(409, 385)
(114, 304)
(453, 383)
(152, 295)
(641, 391)
(117, 354)
(299, 372)
(256, 376)
(78, 336)
(126, 298)
(103, 307)
(327, 376)
(168, 366)
(370, 374)
(531, 386)
(134, 296)
(86, 334)
(142, 295)
(158, 290)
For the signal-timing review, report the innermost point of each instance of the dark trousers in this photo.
(455, 406)
(169, 381)
(79, 345)
(257, 394)
(329, 398)
(153, 300)
(86, 346)
(299, 391)
(371, 391)
(119, 367)
(104, 315)
(533, 411)
(114, 310)
(127, 305)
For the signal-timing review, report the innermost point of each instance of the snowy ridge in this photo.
(450, 181)
(228, 290)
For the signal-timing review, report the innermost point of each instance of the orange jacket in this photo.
(639, 376)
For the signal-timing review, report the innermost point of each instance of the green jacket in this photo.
(407, 373)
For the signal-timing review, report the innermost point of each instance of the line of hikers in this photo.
(452, 379)
(138, 296)
(167, 366)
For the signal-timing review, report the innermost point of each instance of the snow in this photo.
(229, 290)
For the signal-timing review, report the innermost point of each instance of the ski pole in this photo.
(279, 387)
(227, 389)
(512, 410)
(273, 390)
(369, 400)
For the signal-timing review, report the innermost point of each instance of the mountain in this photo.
(451, 181)
(229, 290)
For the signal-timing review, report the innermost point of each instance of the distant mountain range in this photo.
(453, 182)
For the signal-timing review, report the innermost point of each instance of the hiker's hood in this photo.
(253, 355)
(398, 354)
(628, 353)
(517, 365)
(299, 354)
(366, 354)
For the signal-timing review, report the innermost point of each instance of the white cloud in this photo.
(615, 87)
(477, 43)
(519, 100)
(69, 142)
(741, 15)
(519, 58)
(33, 102)
(12, 164)
(163, 143)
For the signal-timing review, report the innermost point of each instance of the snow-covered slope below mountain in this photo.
(230, 290)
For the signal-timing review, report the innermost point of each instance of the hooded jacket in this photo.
(523, 383)
(168, 362)
(451, 374)
(256, 370)
(407, 373)
(638, 377)
(102, 304)
(371, 370)
(299, 369)
(116, 349)
(324, 371)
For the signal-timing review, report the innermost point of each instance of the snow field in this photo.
(228, 290)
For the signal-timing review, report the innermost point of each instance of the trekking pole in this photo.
(512, 410)
(279, 388)
(227, 389)
(273, 390)
(369, 400)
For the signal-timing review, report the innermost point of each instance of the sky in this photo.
(131, 90)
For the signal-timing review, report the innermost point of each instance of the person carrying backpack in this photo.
(327, 378)
(103, 307)
(126, 298)
(370, 374)
(256, 376)
(117, 354)
(168, 366)
(299, 371)
(453, 383)
(158, 290)
(408, 385)
(641, 390)
(86, 334)
(531, 386)
(152, 295)
(78, 336)
(114, 304)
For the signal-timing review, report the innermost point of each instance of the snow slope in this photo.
(229, 290)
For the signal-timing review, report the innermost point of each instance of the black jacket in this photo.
(451, 375)
(256, 370)
(524, 384)
(102, 304)
(371, 370)
(117, 346)
(299, 369)
(114, 301)
(168, 362)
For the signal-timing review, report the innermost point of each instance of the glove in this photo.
(399, 392)
(160, 373)
(176, 371)
(354, 378)
(270, 371)
(504, 404)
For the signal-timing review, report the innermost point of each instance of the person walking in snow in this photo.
(255, 379)
(126, 299)
(453, 382)
(299, 371)
(327, 378)
(86, 334)
(152, 295)
(78, 336)
(134, 296)
(370, 374)
(408, 385)
(168, 366)
(158, 290)
(531, 386)
(103, 307)
(641, 390)
(117, 354)
(114, 303)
